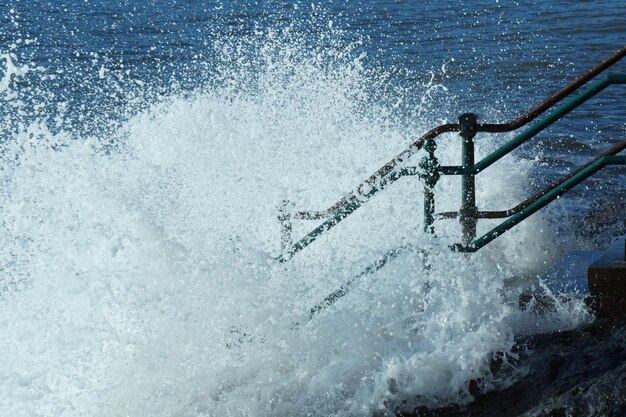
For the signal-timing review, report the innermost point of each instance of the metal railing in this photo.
(429, 170)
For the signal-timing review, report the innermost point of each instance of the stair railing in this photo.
(429, 170)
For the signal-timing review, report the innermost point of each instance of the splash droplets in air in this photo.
(139, 272)
(10, 71)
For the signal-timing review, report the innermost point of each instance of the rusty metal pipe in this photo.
(506, 213)
(554, 98)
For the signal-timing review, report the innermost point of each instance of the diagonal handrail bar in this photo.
(552, 117)
(493, 214)
(345, 288)
(342, 213)
(551, 195)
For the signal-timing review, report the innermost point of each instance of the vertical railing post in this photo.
(468, 214)
(429, 166)
(284, 218)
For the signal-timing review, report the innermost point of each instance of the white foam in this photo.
(141, 280)
(11, 70)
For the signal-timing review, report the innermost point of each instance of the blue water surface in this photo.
(495, 58)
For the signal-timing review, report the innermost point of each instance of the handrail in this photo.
(333, 297)
(430, 170)
(553, 193)
(335, 217)
(538, 127)
(507, 213)
(558, 188)
(379, 175)
(557, 114)
(454, 127)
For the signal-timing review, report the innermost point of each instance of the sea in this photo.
(146, 145)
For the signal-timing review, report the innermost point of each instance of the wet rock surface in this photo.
(576, 373)
(602, 222)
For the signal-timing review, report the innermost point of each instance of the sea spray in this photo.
(139, 268)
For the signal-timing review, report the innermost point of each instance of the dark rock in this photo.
(604, 221)
(576, 373)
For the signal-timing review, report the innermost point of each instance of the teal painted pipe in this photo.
(542, 202)
(341, 214)
(615, 159)
(555, 115)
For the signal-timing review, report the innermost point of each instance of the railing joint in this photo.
(285, 210)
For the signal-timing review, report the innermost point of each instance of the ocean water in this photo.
(146, 145)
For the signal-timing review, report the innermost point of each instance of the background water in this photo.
(145, 146)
